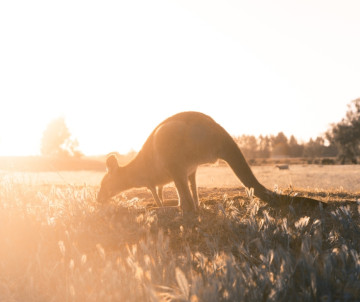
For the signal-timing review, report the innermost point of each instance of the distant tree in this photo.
(57, 141)
(252, 146)
(330, 149)
(264, 148)
(280, 145)
(314, 148)
(248, 145)
(295, 149)
(345, 135)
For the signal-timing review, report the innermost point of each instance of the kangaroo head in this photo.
(111, 183)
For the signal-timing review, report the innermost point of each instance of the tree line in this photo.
(342, 140)
(278, 146)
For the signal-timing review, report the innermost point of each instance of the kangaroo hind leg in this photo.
(192, 181)
(185, 198)
(159, 190)
(155, 195)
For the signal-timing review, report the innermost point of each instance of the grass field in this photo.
(308, 177)
(58, 244)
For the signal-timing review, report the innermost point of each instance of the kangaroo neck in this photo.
(134, 173)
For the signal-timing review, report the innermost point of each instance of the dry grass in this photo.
(58, 244)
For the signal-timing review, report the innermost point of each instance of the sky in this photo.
(116, 69)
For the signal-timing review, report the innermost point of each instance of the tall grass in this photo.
(58, 244)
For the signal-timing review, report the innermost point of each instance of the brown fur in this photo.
(172, 152)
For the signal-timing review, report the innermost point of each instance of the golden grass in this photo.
(58, 244)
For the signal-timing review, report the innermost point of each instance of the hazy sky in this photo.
(115, 69)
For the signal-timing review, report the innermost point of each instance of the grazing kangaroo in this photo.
(173, 151)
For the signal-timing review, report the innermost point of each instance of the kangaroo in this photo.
(173, 151)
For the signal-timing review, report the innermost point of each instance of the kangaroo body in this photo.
(172, 152)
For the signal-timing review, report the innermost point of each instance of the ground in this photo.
(58, 244)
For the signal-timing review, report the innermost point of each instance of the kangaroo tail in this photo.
(237, 162)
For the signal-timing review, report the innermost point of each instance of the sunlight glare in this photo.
(116, 70)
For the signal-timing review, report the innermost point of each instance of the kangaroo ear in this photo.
(112, 164)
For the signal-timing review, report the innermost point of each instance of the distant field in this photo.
(307, 177)
(311, 177)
